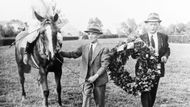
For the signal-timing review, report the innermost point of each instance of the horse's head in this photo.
(48, 34)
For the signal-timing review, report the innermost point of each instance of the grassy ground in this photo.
(173, 91)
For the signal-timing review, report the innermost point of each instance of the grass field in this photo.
(173, 91)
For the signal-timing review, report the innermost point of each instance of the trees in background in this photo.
(178, 29)
(130, 27)
(107, 32)
(95, 21)
(187, 29)
(127, 28)
(12, 28)
(171, 29)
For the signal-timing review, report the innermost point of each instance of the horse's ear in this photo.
(55, 18)
(40, 18)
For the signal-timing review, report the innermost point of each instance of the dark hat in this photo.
(94, 28)
(153, 17)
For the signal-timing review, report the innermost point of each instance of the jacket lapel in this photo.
(159, 41)
(87, 51)
(96, 51)
(146, 39)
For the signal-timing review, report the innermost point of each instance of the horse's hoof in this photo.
(45, 104)
(23, 98)
(60, 104)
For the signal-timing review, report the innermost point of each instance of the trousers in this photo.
(97, 91)
(148, 98)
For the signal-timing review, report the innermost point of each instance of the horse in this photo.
(43, 56)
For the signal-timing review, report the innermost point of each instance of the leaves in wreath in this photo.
(146, 73)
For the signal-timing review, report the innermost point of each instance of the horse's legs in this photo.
(22, 80)
(44, 84)
(58, 74)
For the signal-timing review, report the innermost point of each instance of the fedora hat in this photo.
(153, 17)
(94, 28)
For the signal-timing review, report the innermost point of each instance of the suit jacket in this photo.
(163, 48)
(98, 63)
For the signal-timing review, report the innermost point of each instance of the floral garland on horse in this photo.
(146, 74)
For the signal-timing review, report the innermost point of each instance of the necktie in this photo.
(152, 42)
(90, 53)
(90, 73)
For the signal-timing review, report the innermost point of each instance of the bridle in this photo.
(43, 48)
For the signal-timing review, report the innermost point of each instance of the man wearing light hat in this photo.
(159, 43)
(93, 76)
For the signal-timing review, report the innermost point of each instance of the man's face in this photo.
(152, 27)
(92, 35)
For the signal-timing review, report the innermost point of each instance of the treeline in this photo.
(11, 28)
(179, 32)
(130, 26)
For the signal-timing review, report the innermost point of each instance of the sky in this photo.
(110, 12)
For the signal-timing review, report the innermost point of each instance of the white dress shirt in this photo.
(93, 46)
(155, 37)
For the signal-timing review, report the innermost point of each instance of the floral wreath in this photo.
(146, 75)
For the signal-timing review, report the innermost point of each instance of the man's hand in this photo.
(164, 59)
(93, 78)
(62, 53)
(152, 50)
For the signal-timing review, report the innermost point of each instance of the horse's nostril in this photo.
(51, 55)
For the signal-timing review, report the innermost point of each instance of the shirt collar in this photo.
(94, 43)
(154, 35)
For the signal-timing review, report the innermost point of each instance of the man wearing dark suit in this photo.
(159, 43)
(94, 64)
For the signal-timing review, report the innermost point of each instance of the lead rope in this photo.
(85, 92)
(72, 71)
